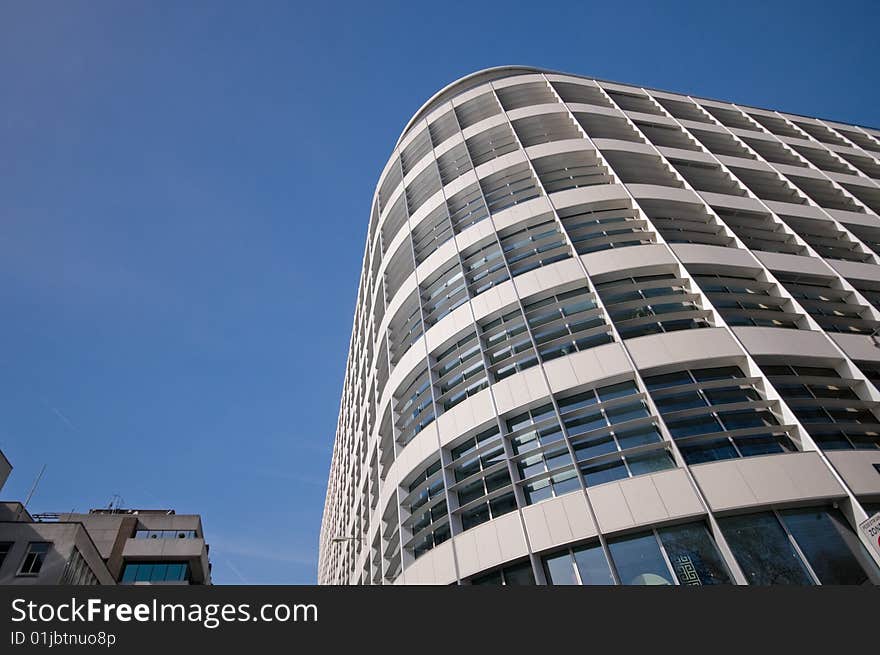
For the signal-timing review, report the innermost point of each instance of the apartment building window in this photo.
(458, 371)
(508, 346)
(666, 136)
(537, 243)
(707, 177)
(484, 266)
(466, 208)
(826, 239)
(567, 322)
(425, 502)
(571, 170)
(541, 455)
(638, 168)
(827, 405)
(482, 480)
(680, 222)
(544, 128)
(155, 572)
(584, 565)
(5, 547)
(443, 291)
(650, 304)
(683, 554)
(77, 571)
(525, 95)
(431, 233)
(509, 187)
(768, 185)
(747, 301)
(731, 117)
(824, 193)
(443, 128)
(414, 406)
(517, 574)
(835, 309)
(684, 110)
(476, 109)
(759, 231)
(717, 413)
(602, 126)
(34, 558)
(600, 226)
(490, 144)
(405, 327)
(454, 163)
(612, 433)
(631, 102)
(720, 143)
(583, 94)
(413, 153)
(798, 547)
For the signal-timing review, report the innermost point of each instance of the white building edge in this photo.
(607, 334)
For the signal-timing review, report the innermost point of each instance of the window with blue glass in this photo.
(541, 454)
(718, 413)
(155, 572)
(425, 504)
(827, 405)
(799, 547)
(612, 433)
(567, 322)
(482, 480)
(651, 304)
(677, 555)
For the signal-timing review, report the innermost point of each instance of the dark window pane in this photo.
(493, 578)
(600, 473)
(693, 425)
(638, 437)
(650, 462)
(828, 544)
(708, 451)
(763, 550)
(520, 574)
(693, 555)
(639, 562)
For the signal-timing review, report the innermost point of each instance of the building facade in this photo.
(104, 546)
(611, 335)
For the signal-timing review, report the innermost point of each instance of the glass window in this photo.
(559, 569)
(639, 561)
(130, 572)
(693, 555)
(517, 574)
(33, 560)
(763, 550)
(658, 460)
(520, 574)
(830, 546)
(592, 566)
(601, 473)
(155, 572)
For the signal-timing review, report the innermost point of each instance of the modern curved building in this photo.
(612, 335)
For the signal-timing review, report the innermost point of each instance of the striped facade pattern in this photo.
(590, 310)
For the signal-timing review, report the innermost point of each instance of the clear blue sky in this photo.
(184, 194)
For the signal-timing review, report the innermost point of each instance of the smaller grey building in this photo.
(103, 546)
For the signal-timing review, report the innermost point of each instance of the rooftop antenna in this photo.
(115, 502)
(30, 493)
